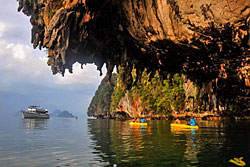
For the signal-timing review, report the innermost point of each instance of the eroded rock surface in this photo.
(208, 41)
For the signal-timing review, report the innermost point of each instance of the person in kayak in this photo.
(142, 120)
(192, 122)
(136, 120)
(177, 121)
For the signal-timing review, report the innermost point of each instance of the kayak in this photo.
(184, 126)
(238, 161)
(137, 123)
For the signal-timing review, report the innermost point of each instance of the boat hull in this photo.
(35, 115)
(184, 126)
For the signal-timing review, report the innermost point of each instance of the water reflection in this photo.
(192, 148)
(125, 145)
(118, 142)
(34, 124)
(128, 140)
(157, 144)
(188, 137)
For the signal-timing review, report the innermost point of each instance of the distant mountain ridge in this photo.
(62, 114)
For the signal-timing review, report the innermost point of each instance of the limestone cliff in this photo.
(100, 103)
(207, 41)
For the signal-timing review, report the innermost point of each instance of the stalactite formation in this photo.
(207, 41)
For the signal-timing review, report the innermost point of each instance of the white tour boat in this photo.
(35, 112)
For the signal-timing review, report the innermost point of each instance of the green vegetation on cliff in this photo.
(154, 95)
(100, 103)
(150, 95)
(161, 97)
(119, 91)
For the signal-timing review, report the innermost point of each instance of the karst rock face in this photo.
(206, 40)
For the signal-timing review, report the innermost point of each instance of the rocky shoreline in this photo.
(208, 115)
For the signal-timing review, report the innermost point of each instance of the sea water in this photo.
(97, 142)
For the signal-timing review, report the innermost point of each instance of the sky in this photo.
(25, 77)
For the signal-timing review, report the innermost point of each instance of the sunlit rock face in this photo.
(208, 41)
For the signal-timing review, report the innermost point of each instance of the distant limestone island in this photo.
(62, 114)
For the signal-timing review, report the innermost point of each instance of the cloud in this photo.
(17, 24)
(19, 62)
(87, 75)
(3, 28)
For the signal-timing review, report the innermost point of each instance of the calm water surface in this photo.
(69, 142)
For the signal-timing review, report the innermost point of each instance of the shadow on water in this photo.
(121, 144)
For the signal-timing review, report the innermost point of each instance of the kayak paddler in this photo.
(177, 121)
(192, 122)
(143, 120)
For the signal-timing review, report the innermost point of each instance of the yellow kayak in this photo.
(137, 123)
(184, 126)
(238, 161)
